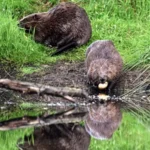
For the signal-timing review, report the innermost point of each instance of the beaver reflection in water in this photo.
(65, 26)
(102, 120)
(58, 137)
(103, 63)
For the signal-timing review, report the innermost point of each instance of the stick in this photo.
(27, 87)
(28, 121)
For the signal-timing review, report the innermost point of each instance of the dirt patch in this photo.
(8, 70)
(73, 74)
(61, 74)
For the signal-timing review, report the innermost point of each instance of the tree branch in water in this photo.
(28, 121)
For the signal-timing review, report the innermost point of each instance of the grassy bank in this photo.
(125, 23)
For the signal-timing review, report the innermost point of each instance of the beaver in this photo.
(103, 63)
(103, 119)
(64, 26)
(58, 137)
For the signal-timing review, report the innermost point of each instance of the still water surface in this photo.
(69, 126)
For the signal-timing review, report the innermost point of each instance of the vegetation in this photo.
(9, 139)
(124, 22)
(132, 134)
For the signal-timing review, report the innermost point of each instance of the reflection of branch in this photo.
(24, 122)
(27, 87)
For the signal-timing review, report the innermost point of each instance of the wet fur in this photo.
(58, 137)
(103, 62)
(64, 26)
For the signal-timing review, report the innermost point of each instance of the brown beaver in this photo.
(58, 137)
(65, 26)
(103, 63)
(103, 119)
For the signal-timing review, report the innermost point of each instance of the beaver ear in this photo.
(36, 17)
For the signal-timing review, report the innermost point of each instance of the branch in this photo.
(27, 87)
(28, 121)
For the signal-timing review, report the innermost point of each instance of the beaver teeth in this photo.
(102, 85)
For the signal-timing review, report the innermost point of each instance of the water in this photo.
(63, 125)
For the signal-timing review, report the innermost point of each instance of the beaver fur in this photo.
(58, 137)
(103, 62)
(65, 26)
(103, 119)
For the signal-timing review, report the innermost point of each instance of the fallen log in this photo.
(28, 87)
(65, 92)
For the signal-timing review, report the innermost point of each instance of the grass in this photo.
(9, 139)
(16, 47)
(126, 24)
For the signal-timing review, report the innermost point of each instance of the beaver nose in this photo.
(102, 80)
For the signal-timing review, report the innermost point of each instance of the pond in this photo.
(39, 121)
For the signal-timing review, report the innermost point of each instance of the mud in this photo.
(72, 74)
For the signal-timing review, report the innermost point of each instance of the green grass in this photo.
(126, 24)
(16, 47)
(9, 139)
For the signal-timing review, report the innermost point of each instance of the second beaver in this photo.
(64, 26)
(103, 62)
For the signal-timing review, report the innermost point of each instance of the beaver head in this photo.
(31, 21)
(101, 72)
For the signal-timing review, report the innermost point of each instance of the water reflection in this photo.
(69, 129)
(58, 137)
(63, 128)
(103, 119)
